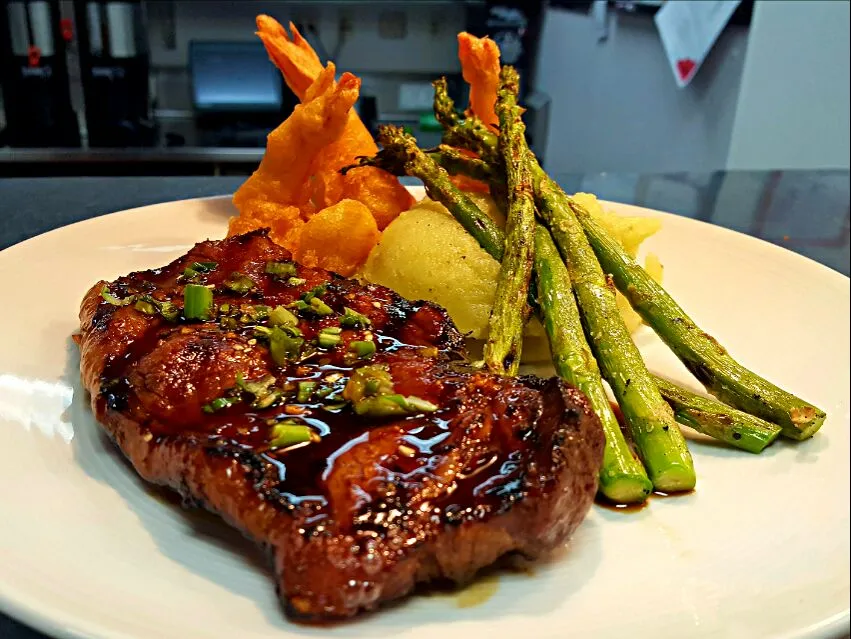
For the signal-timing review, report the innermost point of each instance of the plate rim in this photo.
(68, 626)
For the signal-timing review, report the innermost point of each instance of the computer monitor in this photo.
(233, 77)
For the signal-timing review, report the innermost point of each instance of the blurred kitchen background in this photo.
(183, 87)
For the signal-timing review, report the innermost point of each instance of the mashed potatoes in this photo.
(426, 254)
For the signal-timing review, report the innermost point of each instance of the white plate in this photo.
(761, 549)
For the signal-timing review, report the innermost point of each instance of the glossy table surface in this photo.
(803, 211)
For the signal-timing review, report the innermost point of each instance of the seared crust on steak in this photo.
(374, 505)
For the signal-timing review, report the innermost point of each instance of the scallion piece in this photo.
(420, 405)
(263, 389)
(323, 393)
(289, 434)
(328, 340)
(296, 281)
(116, 301)
(392, 405)
(259, 312)
(319, 307)
(281, 269)
(168, 310)
(149, 305)
(279, 316)
(284, 348)
(363, 349)
(145, 307)
(219, 403)
(371, 387)
(239, 283)
(263, 332)
(316, 291)
(197, 302)
(353, 319)
(305, 390)
(292, 331)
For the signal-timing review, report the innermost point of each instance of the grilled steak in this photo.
(334, 423)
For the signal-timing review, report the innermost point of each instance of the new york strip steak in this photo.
(334, 423)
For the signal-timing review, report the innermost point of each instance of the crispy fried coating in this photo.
(275, 195)
(480, 68)
(300, 65)
(292, 54)
(348, 227)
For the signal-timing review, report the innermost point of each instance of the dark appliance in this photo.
(114, 71)
(34, 75)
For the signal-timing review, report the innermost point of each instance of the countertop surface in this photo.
(803, 211)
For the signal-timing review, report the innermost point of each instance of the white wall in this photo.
(793, 109)
(616, 106)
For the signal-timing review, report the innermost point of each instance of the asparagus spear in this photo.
(510, 311)
(713, 418)
(722, 375)
(660, 443)
(469, 133)
(456, 163)
(622, 477)
(400, 155)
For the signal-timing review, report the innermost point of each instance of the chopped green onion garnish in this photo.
(367, 381)
(390, 405)
(292, 331)
(328, 340)
(371, 387)
(263, 389)
(116, 301)
(279, 316)
(353, 319)
(296, 281)
(262, 331)
(225, 308)
(288, 434)
(281, 269)
(305, 390)
(196, 268)
(239, 283)
(299, 305)
(259, 312)
(322, 393)
(145, 307)
(316, 306)
(362, 349)
(316, 291)
(197, 302)
(219, 403)
(331, 330)
(168, 310)
(319, 307)
(284, 348)
(228, 323)
(420, 405)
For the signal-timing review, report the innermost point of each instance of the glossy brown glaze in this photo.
(376, 504)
